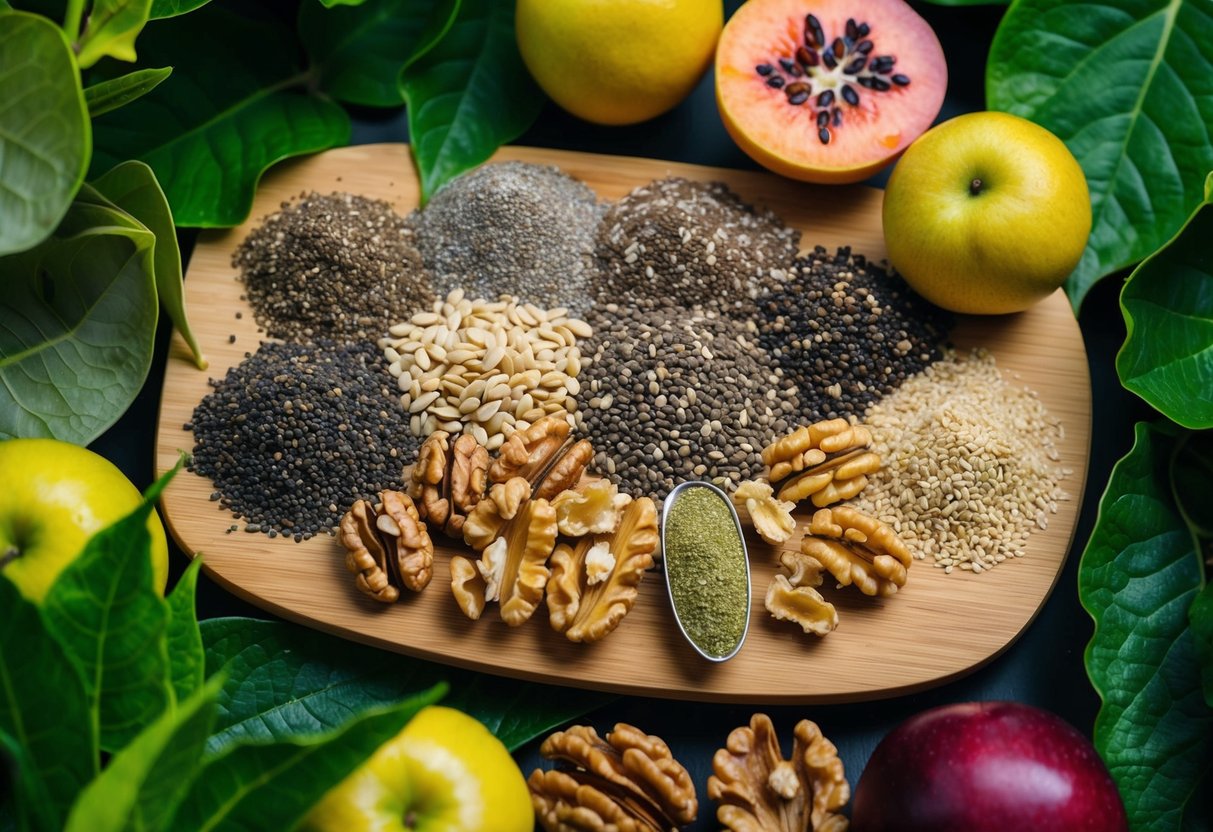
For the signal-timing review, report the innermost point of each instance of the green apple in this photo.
(445, 772)
(54, 497)
(987, 213)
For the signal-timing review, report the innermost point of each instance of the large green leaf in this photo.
(43, 713)
(132, 186)
(111, 30)
(229, 111)
(44, 130)
(284, 681)
(187, 658)
(1137, 578)
(104, 611)
(143, 783)
(272, 785)
(1128, 85)
(1167, 358)
(468, 95)
(79, 314)
(358, 52)
(116, 92)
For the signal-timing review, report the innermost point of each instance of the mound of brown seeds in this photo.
(847, 331)
(295, 433)
(691, 243)
(511, 228)
(339, 266)
(674, 394)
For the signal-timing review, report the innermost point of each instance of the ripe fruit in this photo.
(828, 90)
(445, 772)
(987, 213)
(986, 766)
(55, 495)
(617, 61)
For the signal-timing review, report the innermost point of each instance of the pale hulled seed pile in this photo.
(970, 464)
(691, 243)
(338, 266)
(512, 229)
(675, 394)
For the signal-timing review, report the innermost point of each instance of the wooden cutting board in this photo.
(937, 628)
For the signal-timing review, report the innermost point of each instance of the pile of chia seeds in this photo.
(688, 243)
(339, 266)
(512, 228)
(295, 433)
(846, 332)
(674, 394)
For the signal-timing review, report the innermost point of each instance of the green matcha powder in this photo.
(706, 568)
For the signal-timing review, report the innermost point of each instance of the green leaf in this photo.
(1128, 86)
(143, 784)
(42, 713)
(284, 680)
(1167, 357)
(272, 785)
(468, 95)
(44, 129)
(359, 51)
(187, 658)
(1200, 617)
(114, 93)
(111, 30)
(228, 112)
(172, 8)
(79, 314)
(104, 611)
(132, 186)
(1137, 578)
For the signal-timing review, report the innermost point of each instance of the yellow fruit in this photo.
(618, 61)
(987, 214)
(445, 772)
(53, 497)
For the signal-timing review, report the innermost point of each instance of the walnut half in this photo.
(629, 782)
(759, 791)
(387, 546)
(827, 461)
(793, 597)
(771, 516)
(858, 549)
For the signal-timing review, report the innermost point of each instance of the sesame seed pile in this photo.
(687, 243)
(971, 464)
(846, 332)
(295, 433)
(511, 228)
(674, 394)
(340, 266)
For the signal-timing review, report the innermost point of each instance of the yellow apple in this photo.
(445, 772)
(53, 497)
(987, 213)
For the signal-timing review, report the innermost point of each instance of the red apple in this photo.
(986, 766)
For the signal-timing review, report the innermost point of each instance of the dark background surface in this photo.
(1044, 668)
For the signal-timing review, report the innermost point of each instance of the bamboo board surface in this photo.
(937, 628)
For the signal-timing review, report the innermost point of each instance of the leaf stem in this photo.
(71, 21)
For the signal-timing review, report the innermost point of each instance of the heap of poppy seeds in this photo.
(846, 332)
(685, 242)
(295, 433)
(675, 394)
(512, 228)
(340, 266)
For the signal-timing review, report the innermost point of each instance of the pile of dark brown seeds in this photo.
(846, 332)
(688, 243)
(512, 228)
(295, 433)
(674, 394)
(339, 266)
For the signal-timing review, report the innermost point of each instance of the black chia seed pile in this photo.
(687, 243)
(512, 228)
(674, 394)
(847, 332)
(339, 266)
(295, 433)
